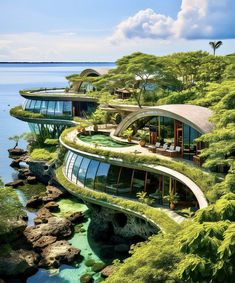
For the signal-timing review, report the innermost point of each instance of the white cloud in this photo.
(197, 19)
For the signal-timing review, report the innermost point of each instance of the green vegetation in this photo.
(11, 211)
(142, 67)
(156, 215)
(19, 112)
(202, 251)
(32, 190)
(206, 183)
(98, 266)
(44, 154)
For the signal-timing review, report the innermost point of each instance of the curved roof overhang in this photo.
(150, 168)
(59, 97)
(195, 116)
(47, 121)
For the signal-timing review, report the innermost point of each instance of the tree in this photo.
(16, 139)
(215, 45)
(136, 73)
(197, 67)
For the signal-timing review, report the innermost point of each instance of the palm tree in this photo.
(215, 45)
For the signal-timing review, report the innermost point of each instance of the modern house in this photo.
(105, 161)
(109, 170)
(53, 110)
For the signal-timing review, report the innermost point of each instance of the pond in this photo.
(102, 139)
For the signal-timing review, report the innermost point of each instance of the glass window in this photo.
(71, 165)
(125, 179)
(76, 167)
(186, 137)
(138, 180)
(32, 104)
(66, 156)
(59, 108)
(83, 168)
(91, 173)
(44, 106)
(67, 108)
(68, 163)
(113, 174)
(51, 108)
(26, 104)
(37, 106)
(101, 176)
(167, 129)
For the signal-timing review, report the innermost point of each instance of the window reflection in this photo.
(91, 173)
(83, 169)
(101, 176)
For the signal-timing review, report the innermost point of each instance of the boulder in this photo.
(31, 180)
(98, 266)
(16, 163)
(23, 173)
(86, 278)
(52, 194)
(76, 217)
(107, 271)
(18, 262)
(58, 227)
(52, 206)
(15, 184)
(57, 253)
(43, 215)
(16, 151)
(44, 241)
(34, 201)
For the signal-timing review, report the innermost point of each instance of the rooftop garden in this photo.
(19, 112)
(206, 183)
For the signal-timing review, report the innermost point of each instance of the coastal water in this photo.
(14, 77)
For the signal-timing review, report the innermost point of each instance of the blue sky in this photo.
(104, 30)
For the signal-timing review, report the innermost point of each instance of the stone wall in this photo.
(42, 170)
(106, 220)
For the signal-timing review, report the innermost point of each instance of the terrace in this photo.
(138, 169)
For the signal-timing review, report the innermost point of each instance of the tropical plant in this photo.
(173, 198)
(142, 134)
(215, 45)
(127, 134)
(143, 198)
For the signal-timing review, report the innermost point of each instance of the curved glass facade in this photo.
(50, 131)
(50, 108)
(120, 180)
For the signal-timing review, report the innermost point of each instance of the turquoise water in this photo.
(14, 77)
(68, 273)
(102, 139)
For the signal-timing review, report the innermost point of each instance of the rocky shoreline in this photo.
(45, 244)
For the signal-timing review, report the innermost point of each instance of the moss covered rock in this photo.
(98, 266)
(89, 262)
(86, 278)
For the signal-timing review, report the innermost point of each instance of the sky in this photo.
(105, 30)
